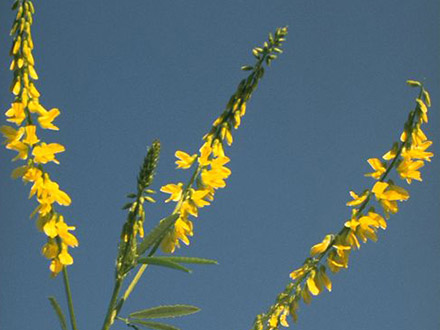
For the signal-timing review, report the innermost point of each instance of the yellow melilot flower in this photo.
(205, 152)
(321, 247)
(408, 170)
(46, 118)
(45, 153)
(357, 200)
(297, 273)
(198, 197)
(31, 136)
(313, 284)
(378, 166)
(185, 161)
(16, 113)
(11, 134)
(20, 147)
(424, 110)
(174, 189)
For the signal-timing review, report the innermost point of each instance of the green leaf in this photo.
(156, 233)
(165, 311)
(189, 260)
(59, 312)
(164, 263)
(154, 325)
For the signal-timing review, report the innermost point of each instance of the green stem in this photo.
(110, 316)
(69, 299)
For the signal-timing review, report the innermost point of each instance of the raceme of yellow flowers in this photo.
(210, 172)
(27, 113)
(407, 157)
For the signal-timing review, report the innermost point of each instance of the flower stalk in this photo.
(311, 278)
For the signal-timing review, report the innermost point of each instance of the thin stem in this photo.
(110, 316)
(69, 299)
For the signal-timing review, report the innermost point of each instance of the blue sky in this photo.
(125, 73)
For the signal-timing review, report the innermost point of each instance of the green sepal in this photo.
(189, 260)
(132, 195)
(56, 307)
(15, 5)
(165, 312)
(247, 68)
(156, 233)
(127, 206)
(157, 261)
(154, 325)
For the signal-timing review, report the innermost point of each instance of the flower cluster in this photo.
(25, 112)
(210, 173)
(407, 157)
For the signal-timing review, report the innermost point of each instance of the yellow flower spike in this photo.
(31, 137)
(185, 160)
(378, 166)
(408, 170)
(45, 153)
(357, 200)
(47, 117)
(174, 189)
(321, 247)
(313, 284)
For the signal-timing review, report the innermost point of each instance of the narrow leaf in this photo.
(165, 311)
(156, 233)
(56, 307)
(189, 260)
(154, 325)
(164, 263)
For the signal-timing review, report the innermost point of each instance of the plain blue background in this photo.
(126, 72)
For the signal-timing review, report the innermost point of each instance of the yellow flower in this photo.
(321, 247)
(378, 166)
(50, 249)
(65, 258)
(213, 178)
(324, 279)
(423, 109)
(174, 189)
(46, 118)
(45, 153)
(357, 200)
(55, 267)
(20, 147)
(205, 152)
(427, 97)
(297, 273)
(185, 161)
(16, 113)
(408, 170)
(31, 138)
(198, 197)
(389, 192)
(11, 134)
(313, 284)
